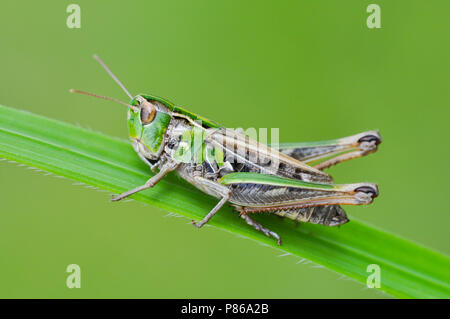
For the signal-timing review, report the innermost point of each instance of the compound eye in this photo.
(148, 112)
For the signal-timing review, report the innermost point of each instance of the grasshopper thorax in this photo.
(148, 121)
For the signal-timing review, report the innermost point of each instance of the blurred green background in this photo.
(311, 68)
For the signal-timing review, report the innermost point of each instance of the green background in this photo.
(311, 68)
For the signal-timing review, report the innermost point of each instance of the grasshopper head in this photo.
(147, 124)
(148, 118)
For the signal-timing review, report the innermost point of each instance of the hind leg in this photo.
(260, 227)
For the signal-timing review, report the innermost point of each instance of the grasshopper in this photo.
(289, 182)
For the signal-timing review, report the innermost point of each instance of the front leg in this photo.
(166, 168)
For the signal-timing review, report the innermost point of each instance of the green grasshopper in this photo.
(288, 182)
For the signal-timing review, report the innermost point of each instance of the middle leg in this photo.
(214, 189)
(211, 213)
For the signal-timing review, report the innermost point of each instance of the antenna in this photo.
(104, 98)
(112, 75)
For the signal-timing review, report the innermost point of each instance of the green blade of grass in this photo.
(407, 269)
